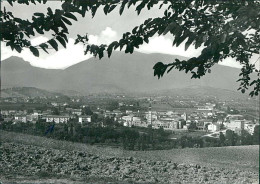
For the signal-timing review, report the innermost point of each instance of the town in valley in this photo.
(199, 117)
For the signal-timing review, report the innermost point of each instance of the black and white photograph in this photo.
(129, 91)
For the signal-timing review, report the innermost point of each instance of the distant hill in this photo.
(69, 92)
(28, 92)
(119, 74)
(204, 91)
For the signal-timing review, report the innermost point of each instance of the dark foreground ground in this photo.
(31, 159)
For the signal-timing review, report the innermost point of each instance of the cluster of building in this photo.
(204, 118)
(44, 116)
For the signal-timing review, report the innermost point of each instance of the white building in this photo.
(213, 127)
(137, 119)
(138, 123)
(167, 125)
(77, 112)
(57, 118)
(185, 127)
(127, 118)
(34, 117)
(160, 124)
(235, 125)
(84, 119)
(20, 118)
(128, 112)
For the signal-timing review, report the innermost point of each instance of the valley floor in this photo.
(32, 159)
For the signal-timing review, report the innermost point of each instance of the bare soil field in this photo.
(32, 159)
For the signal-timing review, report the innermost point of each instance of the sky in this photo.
(102, 29)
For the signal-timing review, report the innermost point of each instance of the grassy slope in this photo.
(239, 157)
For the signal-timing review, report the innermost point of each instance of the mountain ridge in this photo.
(120, 73)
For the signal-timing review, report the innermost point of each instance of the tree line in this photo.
(129, 138)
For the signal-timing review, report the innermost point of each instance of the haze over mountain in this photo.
(121, 73)
(28, 92)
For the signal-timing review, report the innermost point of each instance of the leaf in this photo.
(177, 31)
(159, 69)
(147, 21)
(63, 25)
(10, 2)
(12, 45)
(64, 37)
(252, 83)
(44, 46)
(146, 39)
(170, 27)
(161, 5)
(122, 7)
(140, 7)
(18, 48)
(54, 44)
(127, 50)
(180, 40)
(71, 16)
(39, 14)
(198, 43)
(93, 11)
(83, 11)
(111, 8)
(189, 42)
(27, 34)
(100, 53)
(152, 33)
(26, 2)
(34, 51)
(170, 68)
(66, 21)
(114, 45)
(109, 50)
(18, 20)
(39, 30)
(106, 8)
(185, 35)
(49, 11)
(134, 31)
(131, 2)
(61, 40)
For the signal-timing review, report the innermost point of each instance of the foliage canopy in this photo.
(224, 28)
